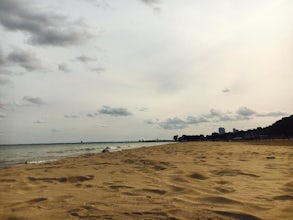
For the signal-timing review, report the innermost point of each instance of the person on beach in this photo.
(107, 149)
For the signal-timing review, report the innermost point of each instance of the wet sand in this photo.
(193, 180)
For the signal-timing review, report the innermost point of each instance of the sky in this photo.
(107, 70)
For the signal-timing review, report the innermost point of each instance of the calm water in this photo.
(19, 154)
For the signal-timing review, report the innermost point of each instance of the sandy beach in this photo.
(192, 180)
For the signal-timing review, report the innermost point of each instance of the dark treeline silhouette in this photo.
(282, 129)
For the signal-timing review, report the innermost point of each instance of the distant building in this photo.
(235, 130)
(221, 130)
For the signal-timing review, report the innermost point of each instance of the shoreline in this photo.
(189, 180)
(16, 155)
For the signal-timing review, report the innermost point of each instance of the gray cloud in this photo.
(90, 115)
(151, 2)
(154, 4)
(72, 116)
(150, 122)
(4, 82)
(226, 90)
(42, 27)
(217, 115)
(98, 3)
(143, 109)
(173, 124)
(54, 130)
(39, 122)
(4, 71)
(85, 59)
(243, 113)
(2, 59)
(213, 113)
(33, 100)
(2, 115)
(25, 59)
(271, 114)
(63, 67)
(106, 110)
(97, 70)
(246, 112)
(196, 120)
(177, 123)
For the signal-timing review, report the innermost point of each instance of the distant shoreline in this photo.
(11, 155)
(89, 142)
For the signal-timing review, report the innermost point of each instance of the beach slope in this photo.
(192, 180)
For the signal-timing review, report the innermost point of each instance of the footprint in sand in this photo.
(71, 179)
(41, 199)
(224, 189)
(283, 197)
(156, 191)
(236, 215)
(198, 176)
(221, 200)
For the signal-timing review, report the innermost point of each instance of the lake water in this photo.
(37, 153)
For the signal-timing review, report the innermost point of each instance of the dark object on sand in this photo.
(105, 150)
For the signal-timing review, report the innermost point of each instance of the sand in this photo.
(193, 180)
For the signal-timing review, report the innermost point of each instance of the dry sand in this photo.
(194, 180)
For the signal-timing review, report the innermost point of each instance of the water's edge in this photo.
(13, 155)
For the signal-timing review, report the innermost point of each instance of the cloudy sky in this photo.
(107, 70)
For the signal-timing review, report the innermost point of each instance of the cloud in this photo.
(173, 123)
(246, 112)
(97, 70)
(196, 120)
(213, 113)
(106, 110)
(154, 4)
(2, 59)
(5, 82)
(226, 90)
(177, 123)
(243, 113)
(33, 100)
(2, 115)
(71, 116)
(90, 115)
(98, 3)
(41, 27)
(150, 122)
(54, 130)
(143, 109)
(39, 122)
(271, 114)
(25, 59)
(151, 2)
(217, 115)
(85, 59)
(63, 67)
